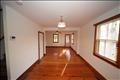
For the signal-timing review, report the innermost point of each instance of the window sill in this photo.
(114, 63)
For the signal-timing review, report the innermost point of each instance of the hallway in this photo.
(31, 29)
(51, 67)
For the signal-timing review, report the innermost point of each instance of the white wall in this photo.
(21, 52)
(86, 48)
(119, 74)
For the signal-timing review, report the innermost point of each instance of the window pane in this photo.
(113, 30)
(55, 40)
(55, 37)
(102, 48)
(103, 31)
(110, 50)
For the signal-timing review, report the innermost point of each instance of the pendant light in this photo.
(61, 24)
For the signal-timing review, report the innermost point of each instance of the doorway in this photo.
(67, 40)
(3, 66)
(40, 45)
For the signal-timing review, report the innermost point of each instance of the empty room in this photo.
(59, 40)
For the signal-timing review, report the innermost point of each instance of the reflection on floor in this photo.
(52, 65)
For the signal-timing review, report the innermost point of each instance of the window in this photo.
(107, 40)
(72, 38)
(55, 38)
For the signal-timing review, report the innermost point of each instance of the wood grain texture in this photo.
(51, 67)
(96, 73)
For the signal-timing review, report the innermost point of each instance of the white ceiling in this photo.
(75, 13)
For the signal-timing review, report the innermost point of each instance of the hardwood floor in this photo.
(51, 67)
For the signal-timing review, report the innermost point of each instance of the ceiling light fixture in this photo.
(61, 24)
(19, 2)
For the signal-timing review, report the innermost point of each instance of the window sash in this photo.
(108, 30)
(106, 50)
(55, 38)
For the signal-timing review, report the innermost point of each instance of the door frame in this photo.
(69, 39)
(39, 32)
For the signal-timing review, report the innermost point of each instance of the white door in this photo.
(41, 44)
(67, 40)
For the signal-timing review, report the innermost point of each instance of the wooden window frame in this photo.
(114, 63)
(57, 38)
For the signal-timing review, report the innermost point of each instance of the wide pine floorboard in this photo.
(51, 67)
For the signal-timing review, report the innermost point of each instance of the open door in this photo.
(40, 45)
(67, 40)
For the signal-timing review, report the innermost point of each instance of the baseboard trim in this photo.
(73, 50)
(96, 73)
(57, 47)
(28, 70)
